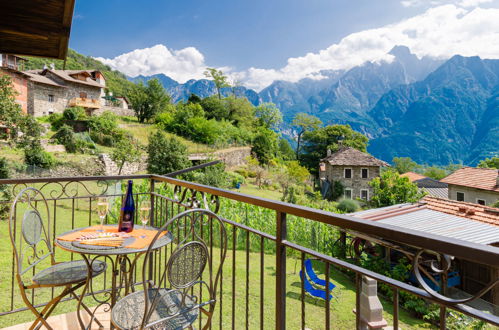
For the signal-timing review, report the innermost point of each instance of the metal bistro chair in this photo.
(177, 307)
(31, 245)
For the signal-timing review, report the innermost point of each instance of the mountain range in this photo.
(432, 110)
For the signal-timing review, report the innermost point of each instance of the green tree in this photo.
(166, 155)
(492, 162)
(219, 78)
(148, 100)
(240, 111)
(434, 172)
(10, 111)
(214, 108)
(404, 165)
(391, 189)
(286, 152)
(268, 115)
(125, 151)
(317, 142)
(35, 155)
(303, 123)
(265, 145)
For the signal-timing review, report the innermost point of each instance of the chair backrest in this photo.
(29, 232)
(191, 262)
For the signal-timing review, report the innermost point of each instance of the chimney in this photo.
(497, 178)
(45, 67)
(52, 66)
(328, 152)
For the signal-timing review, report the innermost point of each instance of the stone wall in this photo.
(116, 110)
(111, 168)
(356, 183)
(231, 157)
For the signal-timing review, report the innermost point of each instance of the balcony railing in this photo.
(267, 239)
(85, 102)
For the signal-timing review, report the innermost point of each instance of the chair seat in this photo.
(129, 311)
(67, 273)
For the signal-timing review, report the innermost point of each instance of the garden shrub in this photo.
(74, 113)
(166, 154)
(348, 205)
(234, 179)
(35, 155)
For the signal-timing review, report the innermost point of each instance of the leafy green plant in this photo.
(35, 155)
(348, 205)
(74, 113)
(166, 154)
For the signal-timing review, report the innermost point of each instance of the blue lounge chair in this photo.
(313, 276)
(311, 290)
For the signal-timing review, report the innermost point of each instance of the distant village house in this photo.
(353, 168)
(474, 185)
(12, 66)
(431, 186)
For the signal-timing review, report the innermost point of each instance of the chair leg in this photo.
(92, 317)
(49, 308)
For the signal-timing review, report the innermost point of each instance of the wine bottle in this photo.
(127, 211)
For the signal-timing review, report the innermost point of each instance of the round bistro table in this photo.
(120, 261)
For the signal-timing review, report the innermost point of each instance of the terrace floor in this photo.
(68, 321)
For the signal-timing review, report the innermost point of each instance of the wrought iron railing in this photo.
(269, 248)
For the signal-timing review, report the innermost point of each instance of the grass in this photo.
(252, 189)
(142, 131)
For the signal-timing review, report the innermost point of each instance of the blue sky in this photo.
(259, 41)
(241, 34)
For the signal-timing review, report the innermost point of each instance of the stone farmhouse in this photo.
(474, 185)
(353, 168)
(52, 91)
(46, 91)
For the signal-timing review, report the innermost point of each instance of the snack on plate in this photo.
(102, 235)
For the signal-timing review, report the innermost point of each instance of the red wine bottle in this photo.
(127, 211)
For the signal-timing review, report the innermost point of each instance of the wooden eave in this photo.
(36, 28)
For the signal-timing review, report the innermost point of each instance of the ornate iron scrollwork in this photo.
(444, 267)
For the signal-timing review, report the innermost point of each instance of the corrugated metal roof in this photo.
(438, 223)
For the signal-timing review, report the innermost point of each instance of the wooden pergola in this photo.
(36, 27)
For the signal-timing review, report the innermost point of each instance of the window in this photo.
(83, 95)
(480, 201)
(348, 193)
(348, 173)
(364, 173)
(364, 194)
(51, 98)
(460, 196)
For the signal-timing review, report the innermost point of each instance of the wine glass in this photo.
(102, 209)
(145, 212)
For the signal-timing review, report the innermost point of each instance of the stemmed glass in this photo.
(102, 209)
(145, 213)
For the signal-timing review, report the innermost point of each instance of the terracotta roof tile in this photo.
(485, 214)
(480, 178)
(347, 156)
(413, 176)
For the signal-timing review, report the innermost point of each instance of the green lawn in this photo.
(252, 189)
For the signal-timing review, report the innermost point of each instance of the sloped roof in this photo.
(41, 77)
(466, 221)
(347, 156)
(479, 178)
(437, 192)
(412, 176)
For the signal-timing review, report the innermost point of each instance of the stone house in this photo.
(52, 91)
(12, 66)
(353, 168)
(474, 185)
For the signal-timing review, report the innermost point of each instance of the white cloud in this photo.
(181, 65)
(433, 3)
(439, 32)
